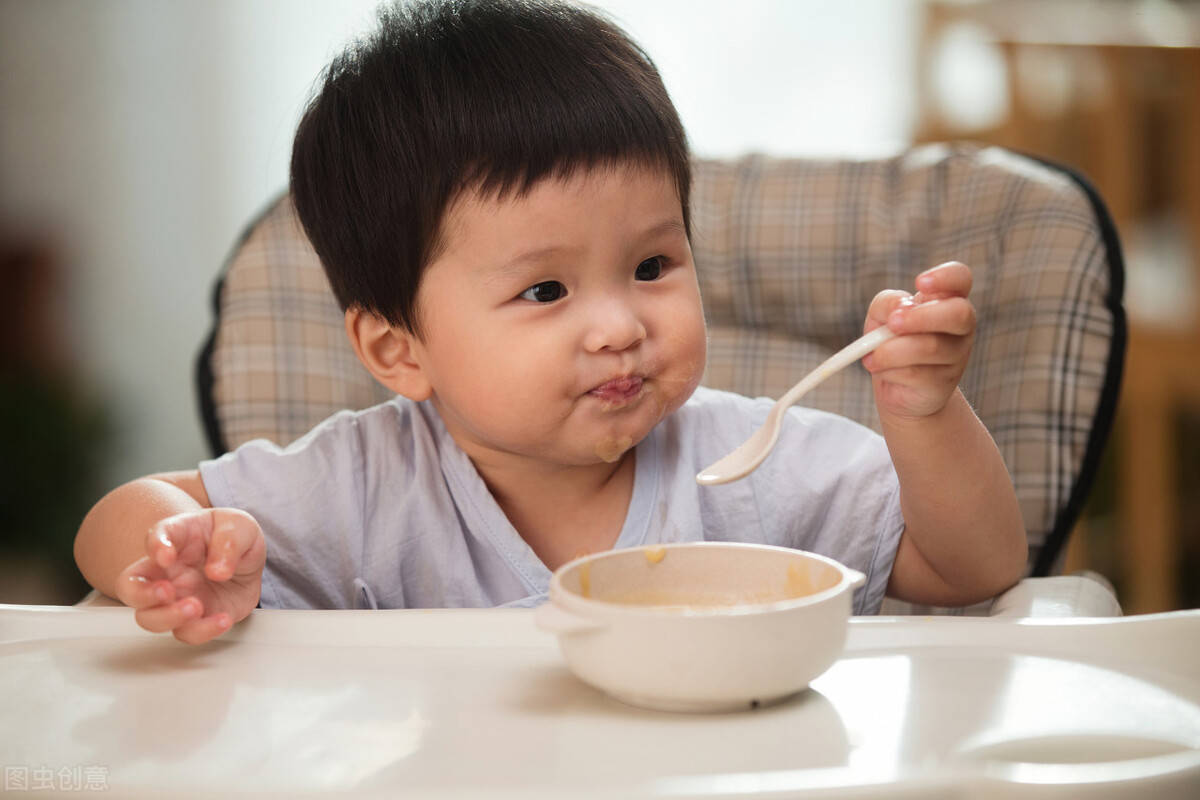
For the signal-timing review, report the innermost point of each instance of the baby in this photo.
(498, 192)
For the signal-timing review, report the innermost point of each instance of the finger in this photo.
(205, 629)
(142, 585)
(883, 304)
(175, 537)
(169, 617)
(918, 350)
(949, 279)
(922, 377)
(234, 536)
(951, 315)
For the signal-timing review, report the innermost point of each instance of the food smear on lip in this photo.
(611, 448)
(655, 554)
(618, 392)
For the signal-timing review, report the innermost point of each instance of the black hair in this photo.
(451, 95)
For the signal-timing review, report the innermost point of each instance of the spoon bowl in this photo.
(748, 455)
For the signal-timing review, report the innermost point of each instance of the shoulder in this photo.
(822, 445)
(381, 424)
(399, 412)
(708, 425)
(707, 405)
(340, 445)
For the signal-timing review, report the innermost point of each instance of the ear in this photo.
(389, 353)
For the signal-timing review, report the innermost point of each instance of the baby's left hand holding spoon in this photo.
(916, 373)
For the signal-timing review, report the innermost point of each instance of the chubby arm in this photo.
(964, 539)
(158, 546)
(113, 534)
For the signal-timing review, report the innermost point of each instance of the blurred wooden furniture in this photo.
(1111, 89)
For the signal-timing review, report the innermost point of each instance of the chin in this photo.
(612, 449)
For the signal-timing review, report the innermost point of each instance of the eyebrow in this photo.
(672, 225)
(529, 258)
(523, 263)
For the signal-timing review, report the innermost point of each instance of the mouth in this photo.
(618, 392)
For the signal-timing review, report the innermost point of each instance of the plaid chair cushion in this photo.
(789, 253)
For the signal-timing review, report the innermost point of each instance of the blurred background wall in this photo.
(137, 138)
(1112, 89)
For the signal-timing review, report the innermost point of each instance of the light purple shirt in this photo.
(380, 508)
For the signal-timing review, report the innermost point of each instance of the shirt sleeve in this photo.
(307, 497)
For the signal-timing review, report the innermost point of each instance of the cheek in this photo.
(685, 344)
(687, 338)
(697, 344)
(505, 374)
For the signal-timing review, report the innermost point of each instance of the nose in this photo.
(613, 325)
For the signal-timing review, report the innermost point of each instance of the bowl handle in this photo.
(855, 577)
(553, 619)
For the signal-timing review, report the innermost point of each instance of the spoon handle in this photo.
(747, 456)
(835, 363)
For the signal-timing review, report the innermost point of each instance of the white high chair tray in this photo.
(479, 704)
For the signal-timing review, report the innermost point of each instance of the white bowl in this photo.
(706, 626)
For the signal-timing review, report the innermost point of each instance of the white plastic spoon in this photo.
(746, 458)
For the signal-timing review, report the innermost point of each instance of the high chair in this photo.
(789, 253)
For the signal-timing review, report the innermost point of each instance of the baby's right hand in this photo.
(202, 573)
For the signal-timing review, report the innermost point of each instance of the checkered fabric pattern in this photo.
(789, 253)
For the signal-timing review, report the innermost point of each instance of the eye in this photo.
(545, 292)
(650, 269)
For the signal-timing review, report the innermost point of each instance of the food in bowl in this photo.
(705, 626)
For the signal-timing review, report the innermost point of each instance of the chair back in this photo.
(789, 254)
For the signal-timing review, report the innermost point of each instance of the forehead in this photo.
(587, 201)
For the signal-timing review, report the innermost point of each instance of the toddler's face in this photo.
(563, 325)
